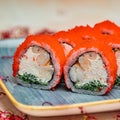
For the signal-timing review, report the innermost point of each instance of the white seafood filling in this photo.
(36, 61)
(117, 54)
(88, 67)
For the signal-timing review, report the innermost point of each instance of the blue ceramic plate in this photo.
(49, 103)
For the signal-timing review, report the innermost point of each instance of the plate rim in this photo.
(56, 107)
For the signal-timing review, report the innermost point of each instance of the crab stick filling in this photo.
(36, 66)
(89, 72)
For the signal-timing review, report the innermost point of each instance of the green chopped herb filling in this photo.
(95, 86)
(117, 82)
(32, 79)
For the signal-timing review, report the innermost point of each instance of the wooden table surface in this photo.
(56, 15)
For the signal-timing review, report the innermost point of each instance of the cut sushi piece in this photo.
(38, 62)
(90, 69)
(107, 28)
(110, 33)
(114, 42)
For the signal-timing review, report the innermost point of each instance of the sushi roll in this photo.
(109, 32)
(114, 43)
(38, 62)
(90, 69)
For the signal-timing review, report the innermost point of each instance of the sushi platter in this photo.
(60, 101)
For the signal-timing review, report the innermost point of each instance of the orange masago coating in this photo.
(50, 45)
(83, 32)
(85, 35)
(107, 28)
(107, 56)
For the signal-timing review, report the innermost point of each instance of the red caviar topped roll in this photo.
(38, 62)
(90, 69)
(114, 42)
